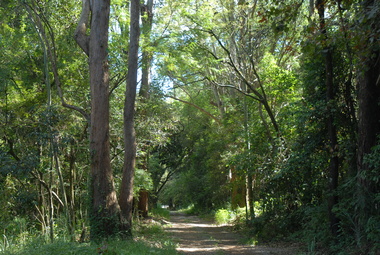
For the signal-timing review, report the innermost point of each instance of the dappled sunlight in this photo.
(213, 250)
(198, 249)
(197, 236)
(200, 225)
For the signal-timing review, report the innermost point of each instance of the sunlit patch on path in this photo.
(198, 236)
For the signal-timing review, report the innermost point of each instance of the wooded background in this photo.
(272, 106)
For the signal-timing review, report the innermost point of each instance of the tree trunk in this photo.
(105, 211)
(51, 204)
(41, 204)
(62, 186)
(238, 192)
(147, 58)
(126, 192)
(368, 118)
(331, 128)
(333, 146)
(143, 203)
(147, 55)
(368, 132)
(71, 193)
(250, 200)
(105, 208)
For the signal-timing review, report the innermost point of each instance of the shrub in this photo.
(223, 216)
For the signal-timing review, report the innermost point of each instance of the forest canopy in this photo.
(269, 109)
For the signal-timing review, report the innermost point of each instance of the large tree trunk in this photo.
(368, 132)
(368, 117)
(331, 128)
(105, 208)
(146, 65)
(369, 109)
(104, 211)
(126, 192)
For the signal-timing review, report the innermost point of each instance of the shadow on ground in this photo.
(198, 236)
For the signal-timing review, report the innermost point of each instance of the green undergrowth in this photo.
(160, 213)
(149, 237)
(39, 247)
(236, 217)
(200, 212)
(191, 209)
(151, 231)
(119, 247)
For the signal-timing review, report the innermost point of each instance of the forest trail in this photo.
(198, 236)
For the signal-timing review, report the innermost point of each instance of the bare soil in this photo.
(199, 236)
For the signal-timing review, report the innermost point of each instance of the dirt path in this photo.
(198, 236)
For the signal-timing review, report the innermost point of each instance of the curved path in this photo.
(198, 236)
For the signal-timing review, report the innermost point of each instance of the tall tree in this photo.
(126, 192)
(331, 128)
(368, 107)
(147, 54)
(105, 210)
(144, 93)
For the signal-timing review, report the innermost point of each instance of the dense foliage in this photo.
(270, 106)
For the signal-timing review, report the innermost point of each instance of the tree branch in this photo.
(50, 47)
(46, 186)
(261, 97)
(162, 183)
(197, 107)
(80, 36)
(234, 67)
(11, 149)
(238, 89)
